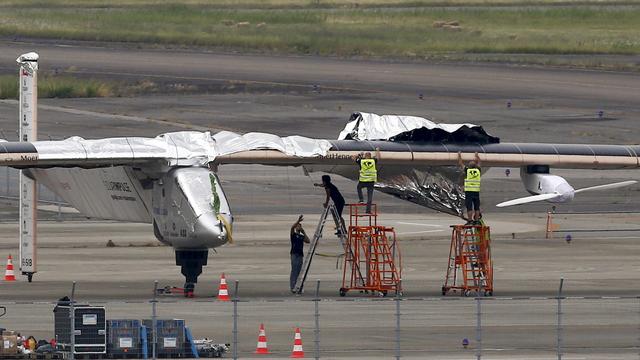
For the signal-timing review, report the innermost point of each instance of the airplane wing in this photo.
(414, 170)
(410, 140)
(121, 152)
(573, 156)
(191, 148)
(175, 149)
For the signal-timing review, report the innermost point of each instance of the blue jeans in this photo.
(296, 266)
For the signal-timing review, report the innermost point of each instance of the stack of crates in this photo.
(171, 338)
(125, 339)
(90, 329)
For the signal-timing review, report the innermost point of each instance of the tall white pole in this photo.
(28, 125)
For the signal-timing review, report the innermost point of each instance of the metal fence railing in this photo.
(363, 327)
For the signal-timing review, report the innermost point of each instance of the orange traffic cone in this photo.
(8, 274)
(297, 345)
(223, 292)
(262, 342)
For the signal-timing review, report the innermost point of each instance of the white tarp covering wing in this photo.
(184, 148)
(178, 148)
(367, 126)
(229, 142)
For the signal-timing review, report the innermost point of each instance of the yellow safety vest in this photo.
(472, 180)
(368, 172)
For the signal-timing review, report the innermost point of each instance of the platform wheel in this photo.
(343, 292)
(382, 293)
(444, 291)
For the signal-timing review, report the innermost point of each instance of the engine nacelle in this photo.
(190, 209)
(537, 180)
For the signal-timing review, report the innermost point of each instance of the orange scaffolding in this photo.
(372, 255)
(470, 268)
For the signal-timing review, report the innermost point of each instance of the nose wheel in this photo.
(189, 288)
(191, 263)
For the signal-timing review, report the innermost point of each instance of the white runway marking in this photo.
(418, 232)
(418, 224)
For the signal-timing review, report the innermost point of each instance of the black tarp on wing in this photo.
(464, 135)
(366, 126)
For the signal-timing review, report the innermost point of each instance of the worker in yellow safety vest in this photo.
(472, 175)
(368, 175)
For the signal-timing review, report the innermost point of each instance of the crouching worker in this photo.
(298, 238)
(332, 193)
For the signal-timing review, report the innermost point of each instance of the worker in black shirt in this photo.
(334, 194)
(298, 238)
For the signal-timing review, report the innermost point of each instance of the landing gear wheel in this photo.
(30, 277)
(343, 292)
(188, 290)
(191, 263)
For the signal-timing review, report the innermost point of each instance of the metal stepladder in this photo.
(470, 267)
(342, 235)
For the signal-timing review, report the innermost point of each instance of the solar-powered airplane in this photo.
(171, 181)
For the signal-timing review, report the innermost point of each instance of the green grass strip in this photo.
(298, 4)
(58, 87)
(395, 32)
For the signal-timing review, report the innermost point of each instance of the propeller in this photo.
(551, 196)
(608, 186)
(529, 199)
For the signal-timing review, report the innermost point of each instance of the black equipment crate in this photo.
(90, 329)
(124, 338)
(171, 337)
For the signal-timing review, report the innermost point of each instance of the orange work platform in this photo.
(372, 254)
(470, 269)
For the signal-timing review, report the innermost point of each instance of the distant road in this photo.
(620, 90)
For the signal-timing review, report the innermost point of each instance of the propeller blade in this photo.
(528, 199)
(608, 186)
